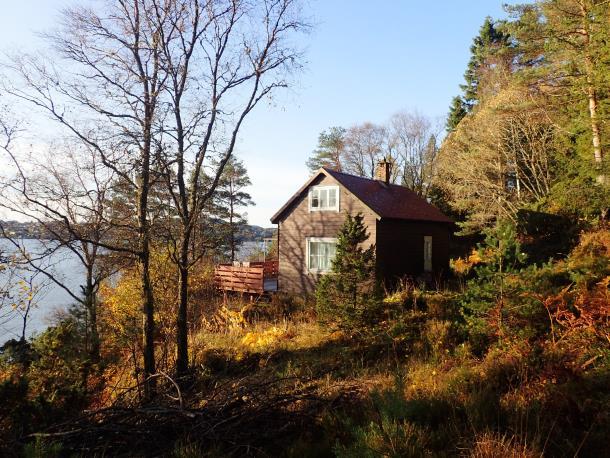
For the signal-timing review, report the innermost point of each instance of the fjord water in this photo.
(50, 300)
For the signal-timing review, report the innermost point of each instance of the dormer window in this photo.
(324, 198)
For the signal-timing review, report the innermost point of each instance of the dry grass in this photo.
(493, 445)
(261, 337)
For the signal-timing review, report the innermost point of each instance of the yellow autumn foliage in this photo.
(121, 318)
(396, 298)
(460, 266)
(225, 319)
(259, 340)
(463, 266)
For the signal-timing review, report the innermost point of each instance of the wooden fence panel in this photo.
(246, 278)
(241, 279)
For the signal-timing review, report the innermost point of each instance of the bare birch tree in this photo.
(104, 89)
(221, 58)
(160, 89)
(413, 145)
(365, 145)
(65, 193)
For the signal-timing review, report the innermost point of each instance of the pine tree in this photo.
(330, 150)
(483, 304)
(230, 198)
(348, 297)
(568, 42)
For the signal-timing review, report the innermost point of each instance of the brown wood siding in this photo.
(299, 224)
(400, 248)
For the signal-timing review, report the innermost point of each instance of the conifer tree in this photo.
(457, 111)
(331, 145)
(566, 43)
(487, 51)
(348, 297)
(229, 202)
(487, 45)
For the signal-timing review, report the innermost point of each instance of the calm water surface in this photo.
(52, 299)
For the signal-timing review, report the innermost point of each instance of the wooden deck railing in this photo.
(245, 277)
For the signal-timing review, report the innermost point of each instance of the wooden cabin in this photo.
(410, 235)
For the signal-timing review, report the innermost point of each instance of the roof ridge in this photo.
(332, 171)
(397, 202)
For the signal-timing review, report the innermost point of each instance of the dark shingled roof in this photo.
(389, 200)
(386, 200)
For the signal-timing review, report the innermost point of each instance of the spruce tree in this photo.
(487, 50)
(490, 43)
(348, 297)
(457, 111)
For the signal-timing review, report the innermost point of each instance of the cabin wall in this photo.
(299, 224)
(400, 248)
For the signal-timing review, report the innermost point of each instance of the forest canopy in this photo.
(531, 129)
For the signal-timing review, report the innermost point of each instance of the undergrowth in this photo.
(511, 361)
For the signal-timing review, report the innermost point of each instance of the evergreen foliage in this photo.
(563, 48)
(488, 44)
(348, 297)
(457, 111)
(497, 258)
(535, 138)
(330, 148)
(392, 431)
(486, 52)
(229, 201)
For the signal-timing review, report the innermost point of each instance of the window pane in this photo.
(323, 198)
(428, 253)
(332, 251)
(313, 255)
(321, 255)
(323, 258)
(314, 248)
(329, 254)
(332, 198)
(314, 198)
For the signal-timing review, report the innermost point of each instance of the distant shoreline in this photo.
(34, 231)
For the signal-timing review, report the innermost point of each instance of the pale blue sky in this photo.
(365, 61)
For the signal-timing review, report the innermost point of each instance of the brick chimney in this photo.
(383, 172)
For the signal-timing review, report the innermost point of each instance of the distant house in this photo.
(411, 236)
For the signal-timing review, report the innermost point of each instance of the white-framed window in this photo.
(324, 198)
(320, 253)
(427, 253)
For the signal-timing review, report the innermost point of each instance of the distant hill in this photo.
(24, 230)
(253, 233)
(31, 230)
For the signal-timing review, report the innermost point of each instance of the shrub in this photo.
(48, 386)
(349, 297)
(42, 449)
(498, 261)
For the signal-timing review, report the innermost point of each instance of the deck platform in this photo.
(247, 277)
